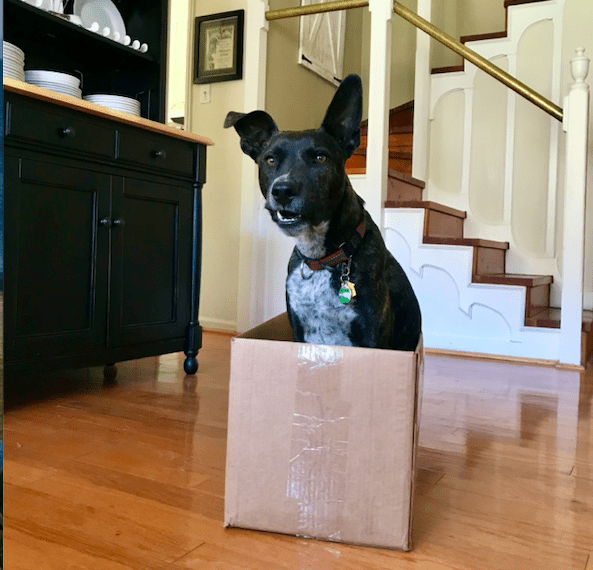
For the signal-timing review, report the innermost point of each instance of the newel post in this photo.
(576, 126)
(251, 256)
(378, 97)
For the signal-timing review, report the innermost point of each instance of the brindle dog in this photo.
(343, 286)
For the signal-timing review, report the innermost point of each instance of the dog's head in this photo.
(301, 174)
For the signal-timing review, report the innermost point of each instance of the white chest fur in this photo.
(324, 319)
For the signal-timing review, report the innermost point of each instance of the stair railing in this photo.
(438, 34)
(574, 117)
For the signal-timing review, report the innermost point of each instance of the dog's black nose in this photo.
(283, 193)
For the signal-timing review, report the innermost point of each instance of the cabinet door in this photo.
(56, 259)
(151, 261)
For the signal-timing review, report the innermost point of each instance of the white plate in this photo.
(52, 84)
(109, 97)
(13, 56)
(55, 76)
(14, 66)
(114, 100)
(13, 74)
(12, 49)
(103, 12)
(58, 88)
(18, 64)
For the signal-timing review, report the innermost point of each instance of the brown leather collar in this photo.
(346, 250)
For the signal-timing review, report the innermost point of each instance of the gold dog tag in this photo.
(352, 288)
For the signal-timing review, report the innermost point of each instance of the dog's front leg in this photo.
(295, 323)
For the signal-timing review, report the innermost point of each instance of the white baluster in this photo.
(576, 125)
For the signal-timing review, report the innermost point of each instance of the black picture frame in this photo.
(219, 47)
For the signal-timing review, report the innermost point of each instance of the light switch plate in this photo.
(205, 93)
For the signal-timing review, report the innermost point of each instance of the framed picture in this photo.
(219, 47)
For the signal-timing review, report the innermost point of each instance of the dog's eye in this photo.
(320, 158)
(270, 161)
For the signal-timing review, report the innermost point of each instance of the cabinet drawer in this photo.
(159, 152)
(60, 131)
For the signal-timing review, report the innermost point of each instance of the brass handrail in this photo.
(316, 9)
(407, 14)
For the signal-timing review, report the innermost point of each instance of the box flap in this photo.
(277, 328)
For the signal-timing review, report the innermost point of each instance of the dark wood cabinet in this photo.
(102, 241)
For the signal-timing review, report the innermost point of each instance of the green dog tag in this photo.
(345, 294)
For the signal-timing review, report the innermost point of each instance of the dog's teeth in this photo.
(286, 218)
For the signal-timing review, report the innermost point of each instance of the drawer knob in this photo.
(119, 223)
(159, 154)
(107, 222)
(68, 132)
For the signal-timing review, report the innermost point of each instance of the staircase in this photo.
(470, 303)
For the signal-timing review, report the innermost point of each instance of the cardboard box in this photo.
(322, 440)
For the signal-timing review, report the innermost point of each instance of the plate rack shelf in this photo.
(53, 43)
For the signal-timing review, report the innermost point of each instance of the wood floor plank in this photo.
(25, 552)
(90, 530)
(131, 476)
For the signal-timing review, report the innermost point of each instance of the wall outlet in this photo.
(205, 93)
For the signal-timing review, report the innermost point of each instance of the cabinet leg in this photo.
(109, 373)
(190, 364)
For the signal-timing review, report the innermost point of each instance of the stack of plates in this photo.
(14, 62)
(116, 102)
(55, 81)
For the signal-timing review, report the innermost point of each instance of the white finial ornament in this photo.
(579, 66)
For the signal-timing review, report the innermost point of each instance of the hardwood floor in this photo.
(131, 476)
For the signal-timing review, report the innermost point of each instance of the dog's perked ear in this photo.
(255, 129)
(343, 116)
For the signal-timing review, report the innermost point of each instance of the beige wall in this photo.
(295, 96)
(464, 18)
(176, 58)
(222, 191)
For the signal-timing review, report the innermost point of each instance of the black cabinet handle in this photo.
(119, 223)
(68, 132)
(159, 154)
(107, 222)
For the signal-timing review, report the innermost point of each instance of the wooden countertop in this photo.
(35, 92)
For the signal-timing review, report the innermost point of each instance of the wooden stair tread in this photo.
(479, 37)
(427, 205)
(514, 279)
(405, 178)
(550, 318)
(468, 242)
(448, 69)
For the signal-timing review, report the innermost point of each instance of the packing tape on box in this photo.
(319, 450)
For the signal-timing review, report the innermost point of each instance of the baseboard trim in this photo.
(218, 325)
(502, 358)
